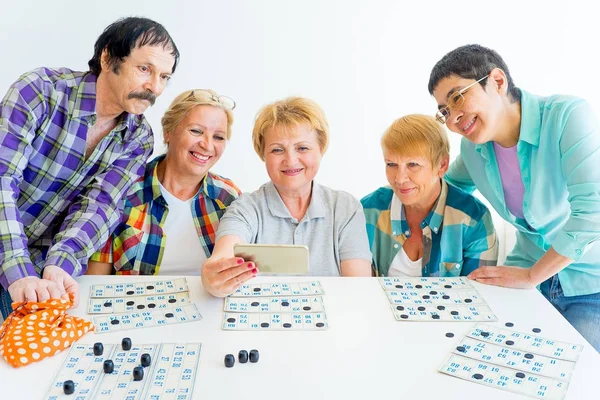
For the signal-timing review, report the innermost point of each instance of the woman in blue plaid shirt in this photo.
(420, 225)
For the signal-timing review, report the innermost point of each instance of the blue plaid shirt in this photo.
(458, 234)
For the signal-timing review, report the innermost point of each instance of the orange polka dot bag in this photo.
(34, 331)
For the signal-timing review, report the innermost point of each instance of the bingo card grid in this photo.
(136, 303)
(276, 306)
(139, 288)
(435, 299)
(157, 317)
(170, 376)
(514, 361)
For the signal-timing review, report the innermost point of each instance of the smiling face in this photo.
(198, 141)
(414, 179)
(292, 157)
(134, 84)
(478, 118)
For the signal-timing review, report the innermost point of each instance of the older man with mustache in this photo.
(72, 143)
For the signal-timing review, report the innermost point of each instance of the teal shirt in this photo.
(559, 157)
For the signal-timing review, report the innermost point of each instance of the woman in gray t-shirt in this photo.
(290, 136)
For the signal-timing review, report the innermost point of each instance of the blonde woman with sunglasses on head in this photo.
(537, 161)
(172, 213)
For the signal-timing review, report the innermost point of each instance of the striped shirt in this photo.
(56, 206)
(137, 245)
(458, 234)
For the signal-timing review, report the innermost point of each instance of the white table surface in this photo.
(365, 353)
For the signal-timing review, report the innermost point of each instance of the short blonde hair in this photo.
(417, 135)
(186, 101)
(288, 113)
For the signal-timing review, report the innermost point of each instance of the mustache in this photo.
(151, 97)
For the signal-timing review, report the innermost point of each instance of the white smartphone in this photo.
(275, 258)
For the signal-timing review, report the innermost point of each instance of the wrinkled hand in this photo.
(32, 288)
(512, 277)
(222, 277)
(65, 281)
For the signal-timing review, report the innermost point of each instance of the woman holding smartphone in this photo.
(290, 136)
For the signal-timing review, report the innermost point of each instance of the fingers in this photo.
(223, 264)
(72, 287)
(42, 292)
(55, 291)
(485, 272)
(29, 293)
(221, 282)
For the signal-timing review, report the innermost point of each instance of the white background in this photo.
(365, 62)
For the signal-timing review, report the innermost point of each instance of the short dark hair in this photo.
(471, 62)
(122, 36)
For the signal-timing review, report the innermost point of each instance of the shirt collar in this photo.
(434, 219)
(530, 124)
(530, 119)
(316, 208)
(85, 107)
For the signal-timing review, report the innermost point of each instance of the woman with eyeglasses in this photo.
(537, 161)
(172, 213)
(420, 225)
(290, 136)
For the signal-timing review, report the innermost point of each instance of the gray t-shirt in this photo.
(333, 228)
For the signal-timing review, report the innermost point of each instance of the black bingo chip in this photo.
(138, 373)
(229, 360)
(449, 334)
(145, 360)
(108, 366)
(243, 356)
(68, 387)
(478, 376)
(169, 315)
(253, 356)
(126, 343)
(520, 375)
(98, 349)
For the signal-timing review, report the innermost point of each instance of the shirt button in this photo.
(525, 203)
(407, 233)
(423, 224)
(435, 230)
(396, 246)
(578, 251)
(394, 233)
(525, 179)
